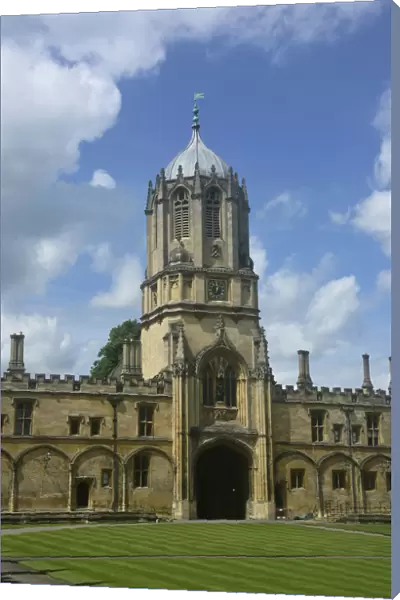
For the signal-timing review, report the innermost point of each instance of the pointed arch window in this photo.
(230, 386)
(213, 214)
(220, 384)
(208, 387)
(181, 214)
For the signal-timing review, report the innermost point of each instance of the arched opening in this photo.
(82, 494)
(181, 214)
(213, 214)
(222, 483)
(280, 499)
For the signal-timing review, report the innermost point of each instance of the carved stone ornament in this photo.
(260, 372)
(180, 368)
(220, 412)
(216, 251)
(220, 328)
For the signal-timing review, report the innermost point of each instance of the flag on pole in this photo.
(199, 96)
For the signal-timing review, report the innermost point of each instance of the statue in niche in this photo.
(219, 389)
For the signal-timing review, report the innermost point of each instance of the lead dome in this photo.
(197, 152)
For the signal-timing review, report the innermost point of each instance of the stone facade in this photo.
(192, 423)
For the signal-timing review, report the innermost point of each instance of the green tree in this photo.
(111, 352)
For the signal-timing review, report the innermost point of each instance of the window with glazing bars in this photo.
(141, 465)
(181, 215)
(23, 418)
(213, 215)
(317, 426)
(146, 419)
(373, 430)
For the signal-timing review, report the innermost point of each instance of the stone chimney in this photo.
(367, 383)
(16, 364)
(304, 380)
(390, 375)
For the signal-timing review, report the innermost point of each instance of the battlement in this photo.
(335, 395)
(84, 384)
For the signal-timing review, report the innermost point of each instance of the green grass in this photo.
(322, 576)
(380, 528)
(355, 578)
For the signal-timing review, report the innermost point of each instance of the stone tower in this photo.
(200, 317)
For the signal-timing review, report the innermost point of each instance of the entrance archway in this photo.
(82, 494)
(222, 483)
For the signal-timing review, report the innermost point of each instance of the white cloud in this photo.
(306, 310)
(127, 276)
(332, 306)
(48, 348)
(384, 281)
(102, 179)
(289, 206)
(372, 215)
(259, 256)
(340, 218)
(102, 257)
(59, 89)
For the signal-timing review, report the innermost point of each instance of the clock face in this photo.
(217, 289)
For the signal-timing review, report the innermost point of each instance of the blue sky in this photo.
(297, 100)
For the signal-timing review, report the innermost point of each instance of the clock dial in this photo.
(217, 289)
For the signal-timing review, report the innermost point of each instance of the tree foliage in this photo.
(111, 352)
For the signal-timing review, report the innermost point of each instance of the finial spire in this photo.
(196, 121)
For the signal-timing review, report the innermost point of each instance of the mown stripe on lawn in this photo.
(189, 540)
(320, 577)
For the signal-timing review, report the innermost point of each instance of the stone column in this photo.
(123, 504)
(126, 363)
(367, 383)
(70, 486)
(136, 357)
(13, 491)
(260, 506)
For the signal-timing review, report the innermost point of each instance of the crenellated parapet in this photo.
(325, 395)
(307, 392)
(84, 384)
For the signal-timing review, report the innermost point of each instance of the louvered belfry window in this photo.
(213, 214)
(181, 215)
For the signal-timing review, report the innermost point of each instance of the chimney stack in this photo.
(304, 380)
(16, 364)
(367, 383)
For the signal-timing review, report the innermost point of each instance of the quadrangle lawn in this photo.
(269, 558)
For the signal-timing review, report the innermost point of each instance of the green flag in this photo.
(199, 96)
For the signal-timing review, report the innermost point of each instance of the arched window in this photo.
(219, 384)
(181, 214)
(208, 387)
(213, 214)
(230, 386)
